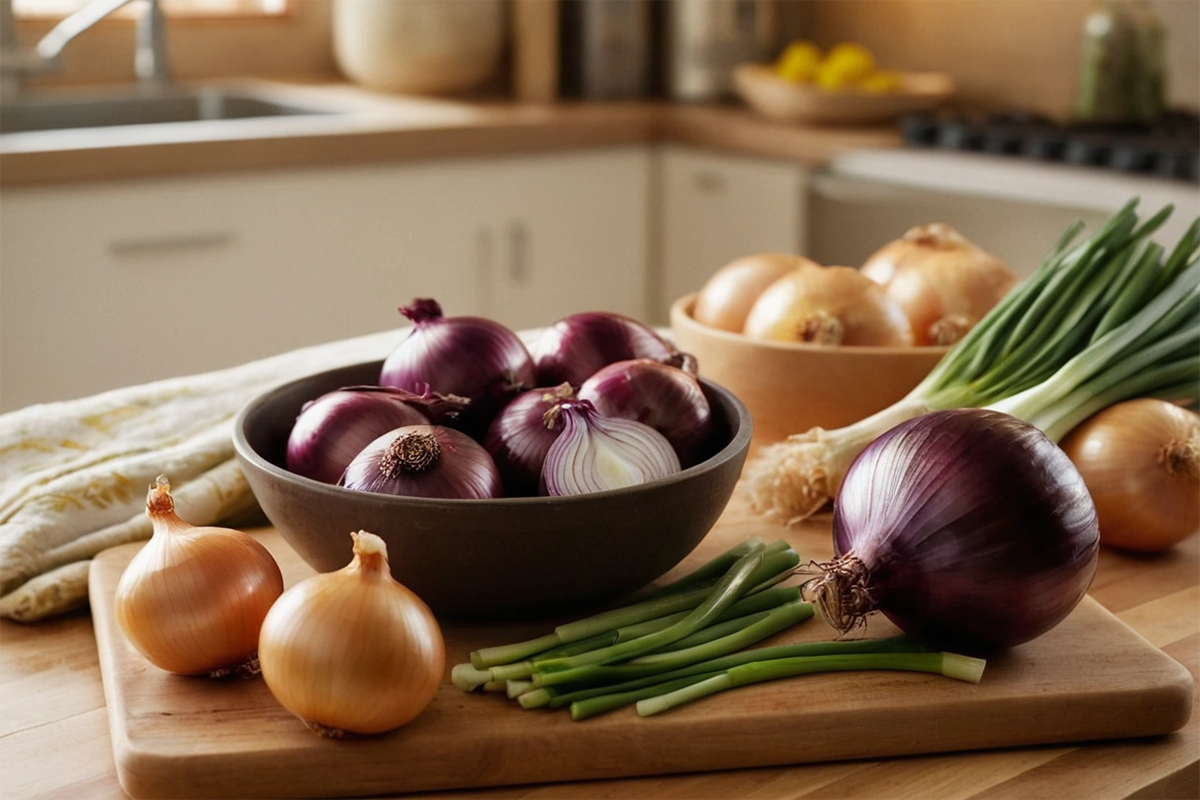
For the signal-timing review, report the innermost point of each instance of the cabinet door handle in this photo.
(518, 251)
(172, 243)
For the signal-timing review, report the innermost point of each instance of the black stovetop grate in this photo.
(1170, 148)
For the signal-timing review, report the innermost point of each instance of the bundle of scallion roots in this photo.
(1111, 318)
(688, 640)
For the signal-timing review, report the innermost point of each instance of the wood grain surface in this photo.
(1091, 678)
(55, 740)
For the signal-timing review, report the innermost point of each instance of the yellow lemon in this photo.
(798, 62)
(881, 82)
(833, 78)
(851, 61)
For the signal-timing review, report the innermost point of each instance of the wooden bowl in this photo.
(503, 558)
(792, 387)
(787, 101)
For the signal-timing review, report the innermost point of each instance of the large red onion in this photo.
(473, 357)
(967, 528)
(521, 434)
(331, 430)
(425, 461)
(574, 348)
(666, 398)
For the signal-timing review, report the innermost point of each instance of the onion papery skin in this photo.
(944, 283)
(574, 348)
(425, 461)
(331, 430)
(352, 651)
(595, 453)
(663, 397)
(193, 599)
(471, 357)
(521, 434)
(1140, 459)
(975, 530)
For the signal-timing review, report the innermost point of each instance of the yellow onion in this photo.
(727, 296)
(828, 305)
(353, 651)
(1140, 460)
(944, 283)
(193, 599)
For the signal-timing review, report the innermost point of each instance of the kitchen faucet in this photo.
(16, 63)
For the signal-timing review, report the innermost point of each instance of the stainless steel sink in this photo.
(60, 113)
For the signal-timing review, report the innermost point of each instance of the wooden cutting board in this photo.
(173, 737)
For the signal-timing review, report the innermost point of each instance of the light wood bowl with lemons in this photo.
(841, 86)
(783, 100)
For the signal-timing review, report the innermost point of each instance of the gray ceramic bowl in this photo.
(503, 558)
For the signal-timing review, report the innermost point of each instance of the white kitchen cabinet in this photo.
(714, 207)
(111, 284)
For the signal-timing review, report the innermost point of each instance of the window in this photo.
(177, 8)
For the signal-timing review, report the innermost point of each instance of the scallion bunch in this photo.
(688, 640)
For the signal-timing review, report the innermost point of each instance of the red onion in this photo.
(331, 430)
(575, 347)
(595, 453)
(967, 528)
(425, 461)
(665, 398)
(472, 357)
(522, 433)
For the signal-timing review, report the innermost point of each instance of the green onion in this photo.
(761, 626)
(731, 619)
(1097, 323)
(952, 665)
(619, 679)
(727, 590)
(686, 594)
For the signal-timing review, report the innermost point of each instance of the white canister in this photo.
(418, 46)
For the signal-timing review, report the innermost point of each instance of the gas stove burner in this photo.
(1169, 148)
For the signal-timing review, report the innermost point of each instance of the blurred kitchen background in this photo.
(192, 184)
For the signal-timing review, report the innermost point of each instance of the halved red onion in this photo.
(574, 348)
(595, 453)
(472, 357)
(521, 434)
(967, 528)
(665, 398)
(425, 461)
(331, 430)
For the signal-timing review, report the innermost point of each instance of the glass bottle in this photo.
(1121, 73)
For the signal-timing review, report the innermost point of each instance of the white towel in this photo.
(77, 471)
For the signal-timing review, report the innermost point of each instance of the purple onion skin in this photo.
(461, 470)
(977, 530)
(331, 430)
(665, 398)
(472, 357)
(519, 438)
(575, 347)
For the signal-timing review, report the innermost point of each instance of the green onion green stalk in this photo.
(688, 639)
(1103, 321)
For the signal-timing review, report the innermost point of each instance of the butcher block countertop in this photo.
(374, 127)
(57, 743)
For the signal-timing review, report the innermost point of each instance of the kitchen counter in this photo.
(374, 127)
(57, 743)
